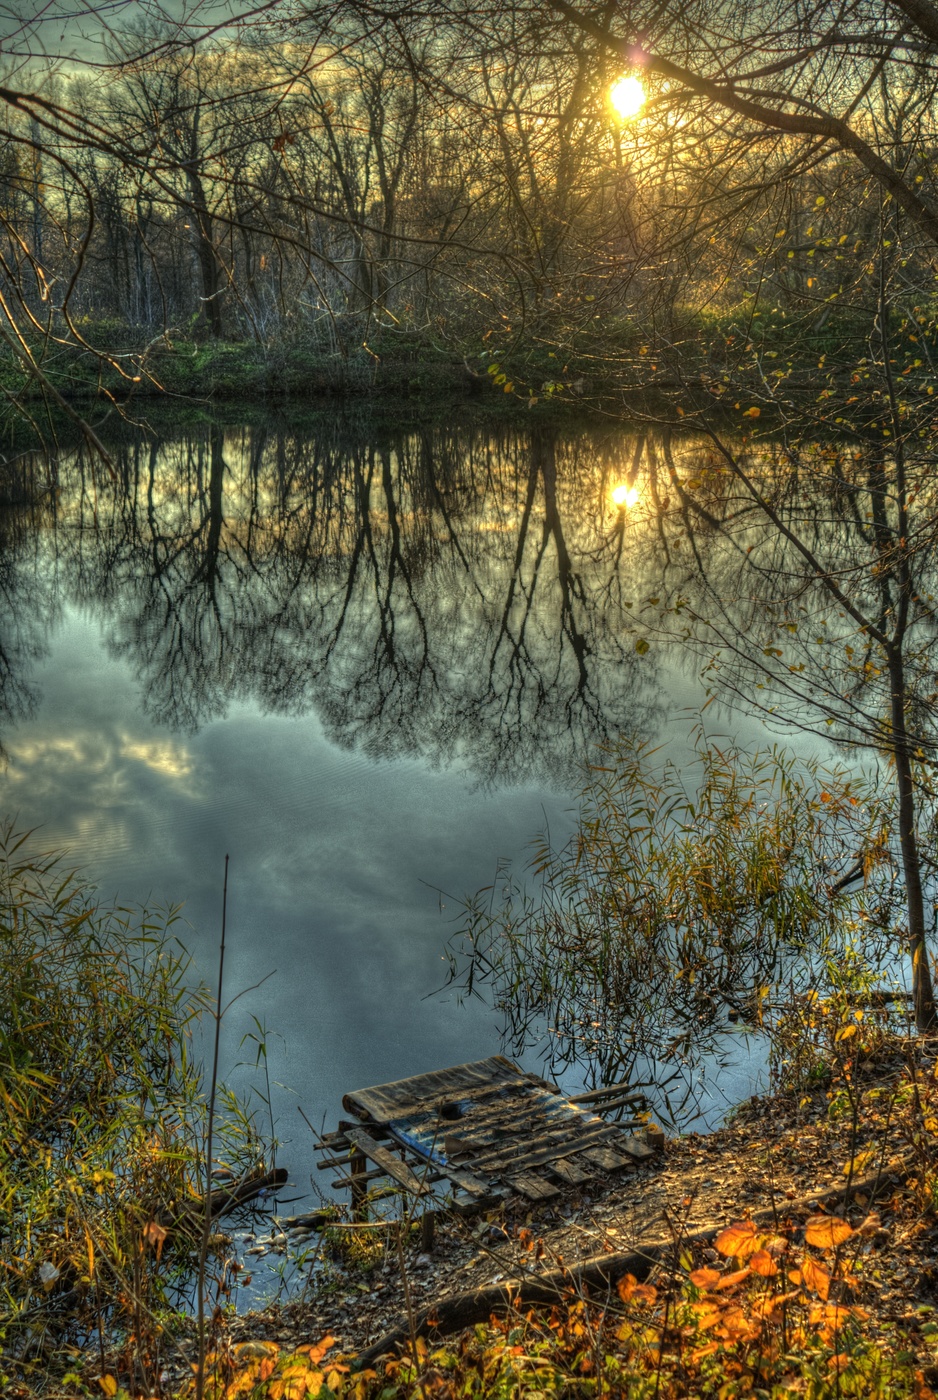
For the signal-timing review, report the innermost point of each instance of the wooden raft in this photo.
(469, 1135)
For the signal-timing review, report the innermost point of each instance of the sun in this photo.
(627, 97)
(624, 495)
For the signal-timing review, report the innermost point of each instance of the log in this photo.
(219, 1202)
(597, 1274)
(223, 1200)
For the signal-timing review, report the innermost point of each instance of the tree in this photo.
(860, 79)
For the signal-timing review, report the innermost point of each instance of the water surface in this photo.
(367, 661)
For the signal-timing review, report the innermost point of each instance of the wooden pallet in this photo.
(467, 1136)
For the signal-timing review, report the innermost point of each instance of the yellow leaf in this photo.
(846, 1032)
(705, 1315)
(860, 1162)
(108, 1384)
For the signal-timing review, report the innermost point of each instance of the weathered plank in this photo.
(607, 1159)
(633, 1147)
(521, 1142)
(472, 1185)
(381, 1157)
(566, 1168)
(534, 1187)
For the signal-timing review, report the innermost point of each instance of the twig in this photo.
(207, 1214)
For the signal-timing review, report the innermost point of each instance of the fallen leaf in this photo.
(827, 1231)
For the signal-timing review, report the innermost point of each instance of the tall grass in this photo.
(102, 1119)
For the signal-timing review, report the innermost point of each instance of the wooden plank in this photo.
(383, 1158)
(607, 1159)
(568, 1170)
(474, 1185)
(512, 1110)
(622, 1091)
(524, 1142)
(467, 1181)
(534, 1187)
(633, 1147)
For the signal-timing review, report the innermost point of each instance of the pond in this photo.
(368, 661)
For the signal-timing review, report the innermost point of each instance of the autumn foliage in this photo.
(773, 1312)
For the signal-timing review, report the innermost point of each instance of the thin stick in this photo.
(206, 1213)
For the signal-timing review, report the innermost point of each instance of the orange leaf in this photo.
(317, 1350)
(815, 1277)
(736, 1324)
(705, 1278)
(731, 1280)
(738, 1241)
(834, 1316)
(762, 1263)
(705, 1315)
(154, 1233)
(703, 1351)
(769, 1306)
(629, 1288)
(827, 1231)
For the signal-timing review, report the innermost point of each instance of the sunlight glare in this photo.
(627, 97)
(625, 495)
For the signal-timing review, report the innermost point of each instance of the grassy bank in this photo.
(589, 364)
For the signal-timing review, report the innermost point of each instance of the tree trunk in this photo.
(922, 990)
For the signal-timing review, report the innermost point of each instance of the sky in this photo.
(78, 31)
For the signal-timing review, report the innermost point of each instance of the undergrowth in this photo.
(102, 1136)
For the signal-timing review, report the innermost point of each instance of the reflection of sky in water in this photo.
(335, 863)
(328, 854)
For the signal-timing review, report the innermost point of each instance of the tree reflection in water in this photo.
(445, 593)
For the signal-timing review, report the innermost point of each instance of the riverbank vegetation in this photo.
(103, 1138)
